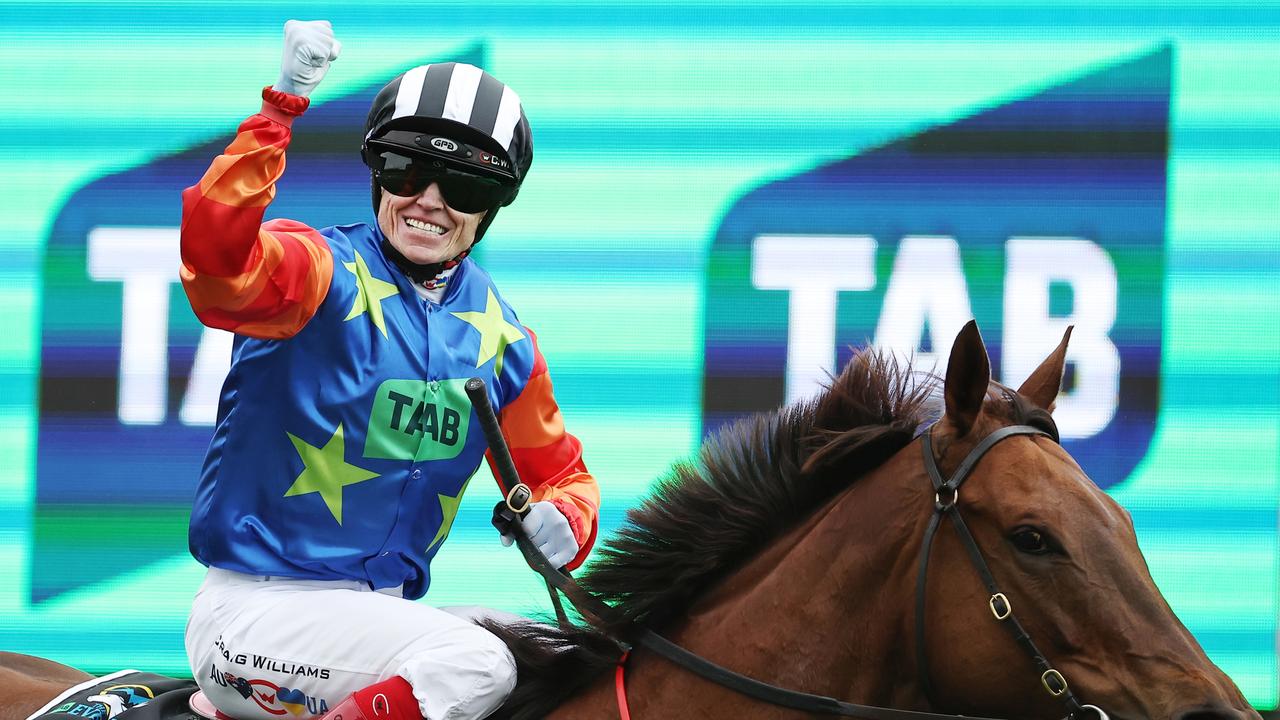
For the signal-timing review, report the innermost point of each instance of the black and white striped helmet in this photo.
(457, 114)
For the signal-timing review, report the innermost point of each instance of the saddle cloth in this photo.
(127, 695)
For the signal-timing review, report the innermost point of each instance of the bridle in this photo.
(946, 499)
(946, 504)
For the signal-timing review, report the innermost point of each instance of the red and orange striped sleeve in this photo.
(264, 281)
(548, 459)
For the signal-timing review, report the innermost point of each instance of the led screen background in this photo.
(657, 126)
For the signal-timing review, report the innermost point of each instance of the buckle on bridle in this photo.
(518, 498)
(1000, 606)
(1054, 682)
(941, 503)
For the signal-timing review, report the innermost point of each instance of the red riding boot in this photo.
(388, 700)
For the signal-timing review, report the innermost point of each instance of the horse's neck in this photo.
(825, 609)
(27, 683)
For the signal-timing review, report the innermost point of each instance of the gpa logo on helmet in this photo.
(444, 144)
(1041, 212)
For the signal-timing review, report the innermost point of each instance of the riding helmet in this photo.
(458, 116)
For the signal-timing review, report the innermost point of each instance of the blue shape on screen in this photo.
(86, 457)
(1082, 158)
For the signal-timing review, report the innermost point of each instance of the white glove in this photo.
(549, 530)
(309, 47)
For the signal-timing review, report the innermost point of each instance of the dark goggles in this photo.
(407, 176)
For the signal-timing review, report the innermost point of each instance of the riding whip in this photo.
(509, 513)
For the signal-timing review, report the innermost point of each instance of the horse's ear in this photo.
(1045, 383)
(968, 375)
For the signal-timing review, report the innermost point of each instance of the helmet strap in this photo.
(418, 273)
(485, 222)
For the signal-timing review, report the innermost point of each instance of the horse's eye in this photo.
(1031, 541)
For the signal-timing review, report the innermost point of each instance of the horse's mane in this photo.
(750, 483)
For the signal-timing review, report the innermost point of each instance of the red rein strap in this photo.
(620, 677)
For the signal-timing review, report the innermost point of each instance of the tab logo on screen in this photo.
(1044, 211)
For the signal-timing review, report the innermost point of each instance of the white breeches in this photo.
(278, 648)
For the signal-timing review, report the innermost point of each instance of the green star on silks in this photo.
(495, 332)
(448, 510)
(370, 292)
(326, 472)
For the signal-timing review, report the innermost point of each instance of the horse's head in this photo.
(1065, 555)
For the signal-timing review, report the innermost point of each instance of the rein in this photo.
(589, 605)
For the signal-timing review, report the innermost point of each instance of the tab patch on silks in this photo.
(1034, 214)
(418, 420)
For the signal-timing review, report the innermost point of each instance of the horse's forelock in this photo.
(875, 404)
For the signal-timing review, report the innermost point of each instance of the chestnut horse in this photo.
(790, 552)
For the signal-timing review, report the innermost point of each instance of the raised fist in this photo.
(309, 47)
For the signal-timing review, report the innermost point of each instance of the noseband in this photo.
(946, 504)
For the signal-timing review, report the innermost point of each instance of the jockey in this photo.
(344, 438)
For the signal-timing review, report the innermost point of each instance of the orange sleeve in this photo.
(259, 280)
(548, 459)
